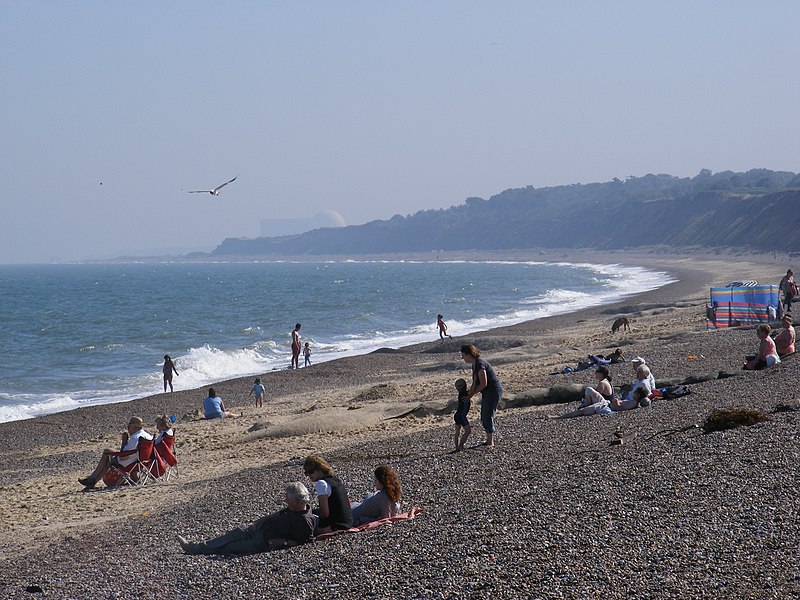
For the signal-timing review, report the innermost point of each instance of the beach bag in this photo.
(675, 391)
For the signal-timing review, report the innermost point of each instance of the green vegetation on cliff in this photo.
(759, 209)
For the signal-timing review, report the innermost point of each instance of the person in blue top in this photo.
(486, 383)
(259, 390)
(214, 407)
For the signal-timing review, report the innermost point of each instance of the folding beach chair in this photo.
(167, 460)
(137, 473)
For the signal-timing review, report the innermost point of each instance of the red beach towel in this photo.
(372, 525)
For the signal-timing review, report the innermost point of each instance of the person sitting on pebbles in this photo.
(640, 362)
(214, 407)
(767, 354)
(784, 341)
(596, 400)
(334, 506)
(384, 502)
(130, 441)
(630, 399)
(290, 526)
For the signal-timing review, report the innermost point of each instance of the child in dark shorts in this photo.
(461, 415)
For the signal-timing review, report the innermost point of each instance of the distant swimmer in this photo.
(215, 191)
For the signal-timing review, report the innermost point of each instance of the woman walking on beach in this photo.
(296, 347)
(485, 382)
(168, 370)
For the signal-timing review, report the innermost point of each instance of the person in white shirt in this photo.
(130, 441)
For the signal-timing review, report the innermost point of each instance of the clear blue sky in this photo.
(366, 108)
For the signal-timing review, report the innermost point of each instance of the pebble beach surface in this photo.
(558, 509)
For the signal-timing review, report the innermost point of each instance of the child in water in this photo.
(259, 390)
(461, 415)
(306, 355)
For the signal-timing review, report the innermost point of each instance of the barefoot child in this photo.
(307, 355)
(442, 327)
(461, 415)
(259, 390)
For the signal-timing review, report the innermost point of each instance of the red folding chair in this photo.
(166, 458)
(137, 473)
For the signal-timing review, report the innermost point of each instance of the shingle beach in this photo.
(558, 509)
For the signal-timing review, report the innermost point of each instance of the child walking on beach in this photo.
(461, 415)
(442, 327)
(306, 355)
(259, 390)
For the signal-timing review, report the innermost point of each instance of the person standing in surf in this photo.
(168, 370)
(486, 383)
(296, 347)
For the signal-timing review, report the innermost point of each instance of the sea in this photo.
(84, 334)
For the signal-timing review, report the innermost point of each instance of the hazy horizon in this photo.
(111, 113)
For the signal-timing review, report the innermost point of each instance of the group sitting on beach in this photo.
(138, 446)
(298, 523)
(601, 399)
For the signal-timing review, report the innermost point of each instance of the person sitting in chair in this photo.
(289, 526)
(122, 458)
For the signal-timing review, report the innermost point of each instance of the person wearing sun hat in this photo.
(130, 441)
(638, 362)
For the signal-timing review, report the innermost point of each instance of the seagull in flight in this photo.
(215, 191)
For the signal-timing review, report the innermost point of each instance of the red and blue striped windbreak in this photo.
(734, 306)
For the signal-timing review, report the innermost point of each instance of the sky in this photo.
(110, 112)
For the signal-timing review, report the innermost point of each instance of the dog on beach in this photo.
(623, 323)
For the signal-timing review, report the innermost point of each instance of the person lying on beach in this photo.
(384, 502)
(784, 341)
(638, 397)
(596, 400)
(290, 526)
(462, 422)
(767, 354)
(214, 407)
(130, 441)
(644, 379)
(334, 506)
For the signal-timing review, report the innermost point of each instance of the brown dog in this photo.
(622, 323)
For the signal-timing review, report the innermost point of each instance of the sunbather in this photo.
(596, 400)
(334, 506)
(628, 400)
(289, 526)
(130, 441)
(214, 407)
(767, 354)
(784, 341)
(384, 502)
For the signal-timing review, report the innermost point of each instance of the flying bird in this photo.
(215, 191)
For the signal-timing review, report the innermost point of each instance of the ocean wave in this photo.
(248, 345)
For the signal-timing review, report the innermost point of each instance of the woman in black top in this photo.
(486, 383)
(334, 505)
